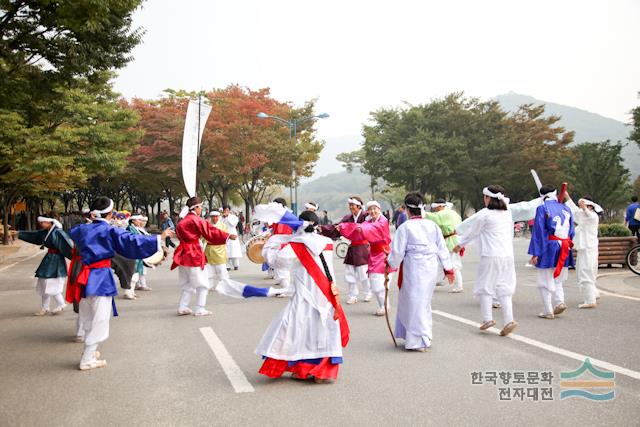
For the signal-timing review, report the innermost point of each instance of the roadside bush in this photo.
(613, 230)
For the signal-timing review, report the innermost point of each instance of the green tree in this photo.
(597, 169)
(635, 122)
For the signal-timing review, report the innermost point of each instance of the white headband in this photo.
(98, 213)
(498, 196)
(214, 213)
(55, 222)
(443, 205)
(186, 209)
(311, 206)
(596, 207)
(420, 206)
(550, 195)
(138, 216)
(373, 203)
(354, 202)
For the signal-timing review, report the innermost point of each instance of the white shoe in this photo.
(496, 305)
(455, 290)
(202, 313)
(94, 364)
(78, 339)
(368, 297)
(59, 309)
(143, 288)
(380, 312)
(42, 312)
(184, 311)
(129, 296)
(352, 300)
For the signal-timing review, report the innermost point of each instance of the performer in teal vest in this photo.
(52, 272)
(139, 279)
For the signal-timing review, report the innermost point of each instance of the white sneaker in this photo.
(129, 296)
(42, 312)
(202, 313)
(368, 297)
(59, 309)
(380, 312)
(455, 290)
(143, 288)
(184, 311)
(94, 364)
(78, 339)
(352, 300)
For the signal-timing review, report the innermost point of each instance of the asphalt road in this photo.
(161, 370)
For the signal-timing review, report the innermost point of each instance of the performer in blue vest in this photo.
(550, 250)
(92, 283)
(52, 271)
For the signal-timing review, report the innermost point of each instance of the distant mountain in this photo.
(331, 191)
(589, 127)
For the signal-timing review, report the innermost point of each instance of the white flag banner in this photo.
(191, 142)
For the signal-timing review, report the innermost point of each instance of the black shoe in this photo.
(235, 268)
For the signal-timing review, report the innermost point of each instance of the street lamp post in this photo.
(293, 132)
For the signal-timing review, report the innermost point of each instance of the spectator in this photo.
(168, 223)
(632, 218)
(241, 224)
(402, 217)
(325, 218)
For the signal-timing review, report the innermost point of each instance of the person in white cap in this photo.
(586, 215)
(375, 230)
(234, 249)
(356, 262)
(52, 272)
(216, 254)
(448, 219)
(139, 278)
(312, 207)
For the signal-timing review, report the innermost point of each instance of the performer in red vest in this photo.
(190, 259)
(357, 259)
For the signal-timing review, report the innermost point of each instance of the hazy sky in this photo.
(357, 56)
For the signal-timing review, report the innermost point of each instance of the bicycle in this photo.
(632, 259)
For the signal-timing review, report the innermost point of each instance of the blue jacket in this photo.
(551, 218)
(99, 241)
(631, 211)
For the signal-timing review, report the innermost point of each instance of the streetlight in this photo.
(293, 129)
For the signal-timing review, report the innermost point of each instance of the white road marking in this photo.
(613, 294)
(18, 262)
(231, 369)
(547, 347)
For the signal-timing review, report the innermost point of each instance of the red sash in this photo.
(75, 284)
(379, 247)
(359, 243)
(567, 244)
(328, 289)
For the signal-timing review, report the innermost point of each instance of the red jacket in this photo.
(189, 252)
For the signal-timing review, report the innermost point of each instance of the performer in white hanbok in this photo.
(307, 337)
(417, 247)
(492, 229)
(234, 249)
(586, 216)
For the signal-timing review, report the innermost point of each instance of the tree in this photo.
(597, 169)
(635, 122)
(453, 147)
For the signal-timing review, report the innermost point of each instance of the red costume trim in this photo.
(380, 247)
(359, 243)
(75, 284)
(53, 251)
(567, 244)
(274, 368)
(328, 289)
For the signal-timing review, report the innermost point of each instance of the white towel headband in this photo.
(354, 202)
(498, 196)
(98, 213)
